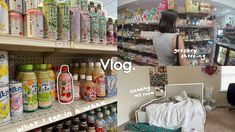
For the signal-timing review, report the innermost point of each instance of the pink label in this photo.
(65, 94)
(89, 93)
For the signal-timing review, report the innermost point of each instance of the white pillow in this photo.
(184, 95)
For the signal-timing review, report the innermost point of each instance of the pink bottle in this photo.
(65, 85)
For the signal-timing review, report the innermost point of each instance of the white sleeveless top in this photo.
(163, 43)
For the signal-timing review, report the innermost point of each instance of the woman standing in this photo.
(166, 40)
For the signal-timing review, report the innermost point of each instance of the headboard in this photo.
(192, 90)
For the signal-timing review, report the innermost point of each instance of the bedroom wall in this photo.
(178, 75)
(128, 103)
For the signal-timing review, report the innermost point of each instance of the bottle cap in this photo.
(43, 66)
(92, 112)
(98, 64)
(49, 66)
(105, 107)
(83, 64)
(82, 77)
(91, 64)
(107, 112)
(65, 69)
(75, 77)
(28, 67)
(100, 115)
(98, 109)
(36, 67)
(89, 78)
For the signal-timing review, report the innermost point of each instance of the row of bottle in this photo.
(99, 120)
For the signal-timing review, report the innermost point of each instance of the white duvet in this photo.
(174, 116)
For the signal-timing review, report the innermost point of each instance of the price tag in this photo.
(63, 44)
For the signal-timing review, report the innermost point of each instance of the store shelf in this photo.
(139, 52)
(199, 40)
(194, 27)
(82, 106)
(140, 23)
(194, 14)
(13, 43)
(42, 117)
(137, 62)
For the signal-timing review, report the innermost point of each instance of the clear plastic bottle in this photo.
(76, 87)
(109, 121)
(75, 126)
(91, 127)
(99, 126)
(91, 117)
(97, 111)
(82, 69)
(44, 88)
(76, 68)
(90, 69)
(99, 80)
(101, 118)
(114, 117)
(89, 90)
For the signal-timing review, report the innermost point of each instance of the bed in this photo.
(193, 90)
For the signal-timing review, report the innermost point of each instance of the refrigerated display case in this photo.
(225, 54)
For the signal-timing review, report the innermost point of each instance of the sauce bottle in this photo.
(52, 82)
(99, 80)
(44, 88)
(82, 81)
(76, 87)
(65, 85)
(29, 81)
(89, 90)
(83, 69)
(90, 69)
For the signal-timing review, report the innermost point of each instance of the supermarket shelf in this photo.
(138, 52)
(135, 38)
(140, 23)
(82, 106)
(194, 14)
(13, 43)
(194, 27)
(137, 62)
(42, 117)
(199, 40)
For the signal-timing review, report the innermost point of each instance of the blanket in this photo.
(175, 115)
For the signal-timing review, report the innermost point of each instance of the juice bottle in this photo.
(44, 88)
(76, 87)
(76, 68)
(91, 117)
(82, 81)
(4, 18)
(29, 81)
(20, 73)
(99, 126)
(65, 85)
(90, 69)
(83, 69)
(99, 79)
(109, 121)
(89, 90)
(52, 82)
(114, 117)
(100, 117)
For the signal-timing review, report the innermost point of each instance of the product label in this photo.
(44, 93)
(16, 5)
(16, 99)
(50, 20)
(85, 28)
(89, 93)
(75, 30)
(94, 30)
(65, 91)
(4, 74)
(32, 4)
(4, 105)
(100, 86)
(102, 30)
(53, 90)
(30, 95)
(76, 90)
(16, 24)
(4, 21)
(64, 21)
(84, 5)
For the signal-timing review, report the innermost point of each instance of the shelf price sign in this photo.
(63, 44)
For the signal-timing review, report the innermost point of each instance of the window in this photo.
(227, 77)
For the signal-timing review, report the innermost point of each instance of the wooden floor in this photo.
(220, 120)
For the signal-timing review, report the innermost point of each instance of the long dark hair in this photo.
(168, 21)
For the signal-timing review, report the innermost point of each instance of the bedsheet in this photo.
(174, 116)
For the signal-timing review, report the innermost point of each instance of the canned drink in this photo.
(102, 29)
(32, 4)
(4, 68)
(49, 10)
(16, 24)
(94, 38)
(16, 5)
(4, 19)
(85, 26)
(16, 98)
(75, 24)
(34, 23)
(4, 105)
(63, 21)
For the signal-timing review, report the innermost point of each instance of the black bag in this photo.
(177, 54)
